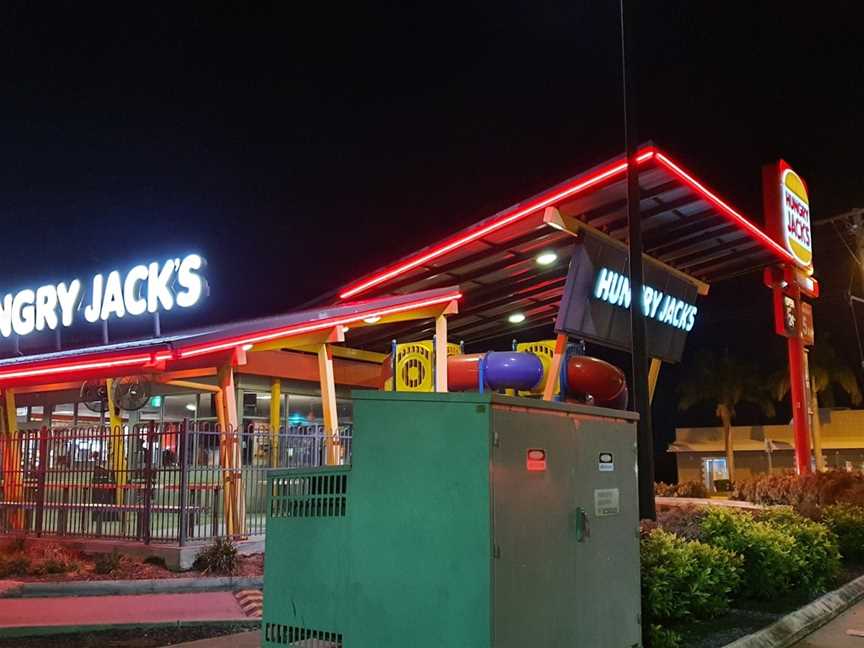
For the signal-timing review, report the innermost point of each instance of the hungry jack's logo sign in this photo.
(787, 211)
(147, 288)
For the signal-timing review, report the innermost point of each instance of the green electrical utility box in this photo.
(467, 520)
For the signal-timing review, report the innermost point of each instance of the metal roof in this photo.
(216, 339)
(685, 226)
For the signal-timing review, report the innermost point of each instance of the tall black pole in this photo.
(641, 400)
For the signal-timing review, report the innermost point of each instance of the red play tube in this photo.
(463, 372)
(606, 383)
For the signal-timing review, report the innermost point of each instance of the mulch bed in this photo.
(84, 567)
(134, 638)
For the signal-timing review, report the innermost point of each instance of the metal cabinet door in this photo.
(607, 604)
(534, 566)
(565, 573)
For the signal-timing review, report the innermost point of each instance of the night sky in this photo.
(299, 148)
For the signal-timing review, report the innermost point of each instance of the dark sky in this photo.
(297, 148)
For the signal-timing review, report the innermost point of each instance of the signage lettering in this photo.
(143, 289)
(614, 288)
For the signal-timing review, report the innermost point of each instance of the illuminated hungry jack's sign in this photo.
(597, 298)
(787, 211)
(144, 289)
(614, 288)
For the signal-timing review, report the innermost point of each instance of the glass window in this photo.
(63, 415)
(178, 407)
(304, 410)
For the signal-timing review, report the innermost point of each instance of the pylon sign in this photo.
(787, 211)
(787, 217)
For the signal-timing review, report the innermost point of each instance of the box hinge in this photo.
(496, 551)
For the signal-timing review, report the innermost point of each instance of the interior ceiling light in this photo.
(372, 320)
(546, 258)
(516, 318)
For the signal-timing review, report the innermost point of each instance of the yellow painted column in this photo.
(275, 420)
(13, 490)
(328, 403)
(441, 353)
(653, 374)
(223, 462)
(117, 445)
(234, 456)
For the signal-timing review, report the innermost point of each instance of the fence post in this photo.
(42, 458)
(182, 445)
(148, 482)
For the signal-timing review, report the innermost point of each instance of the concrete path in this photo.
(133, 610)
(833, 635)
(242, 640)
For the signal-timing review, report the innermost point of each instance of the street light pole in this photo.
(639, 355)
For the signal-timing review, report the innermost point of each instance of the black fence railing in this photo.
(150, 482)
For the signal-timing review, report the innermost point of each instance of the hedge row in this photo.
(806, 493)
(696, 561)
(683, 489)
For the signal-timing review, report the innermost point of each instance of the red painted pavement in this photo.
(97, 610)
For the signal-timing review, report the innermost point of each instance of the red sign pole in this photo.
(800, 415)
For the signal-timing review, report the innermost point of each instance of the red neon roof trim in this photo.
(760, 236)
(505, 219)
(297, 329)
(106, 363)
(545, 200)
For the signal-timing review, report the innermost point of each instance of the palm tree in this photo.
(826, 371)
(724, 382)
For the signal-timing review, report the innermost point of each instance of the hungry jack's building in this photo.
(503, 276)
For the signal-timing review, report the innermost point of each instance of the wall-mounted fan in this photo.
(94, 395)
(131, 393)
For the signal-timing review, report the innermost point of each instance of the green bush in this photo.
(219, 557)
(768, 552)
(14, 565)
(663, 637)
(106, 563)
(686, 578)
(847, 521)
(816, 552)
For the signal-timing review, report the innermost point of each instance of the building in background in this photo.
(759, 449)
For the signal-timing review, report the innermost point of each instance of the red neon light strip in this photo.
(596, 178)
(599, 176)
(317, 326)
(75, 366)
(760, 236)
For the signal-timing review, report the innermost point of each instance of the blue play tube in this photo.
(511, 370)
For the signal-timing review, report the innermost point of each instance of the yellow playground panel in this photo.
(414, 366)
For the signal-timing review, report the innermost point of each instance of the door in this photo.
(566, 545)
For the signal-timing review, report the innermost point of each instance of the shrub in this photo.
(663, 637)
(219, 557)
(806, 493)
(682, 489)
(847, 521)
(768, 552)
(816, 550)
(686, 578)
(684, 521)
(14, 565)
(106, 563)
(662, 489)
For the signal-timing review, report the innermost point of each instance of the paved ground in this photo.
(834, 634)
(242, 640)
(145, 608)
